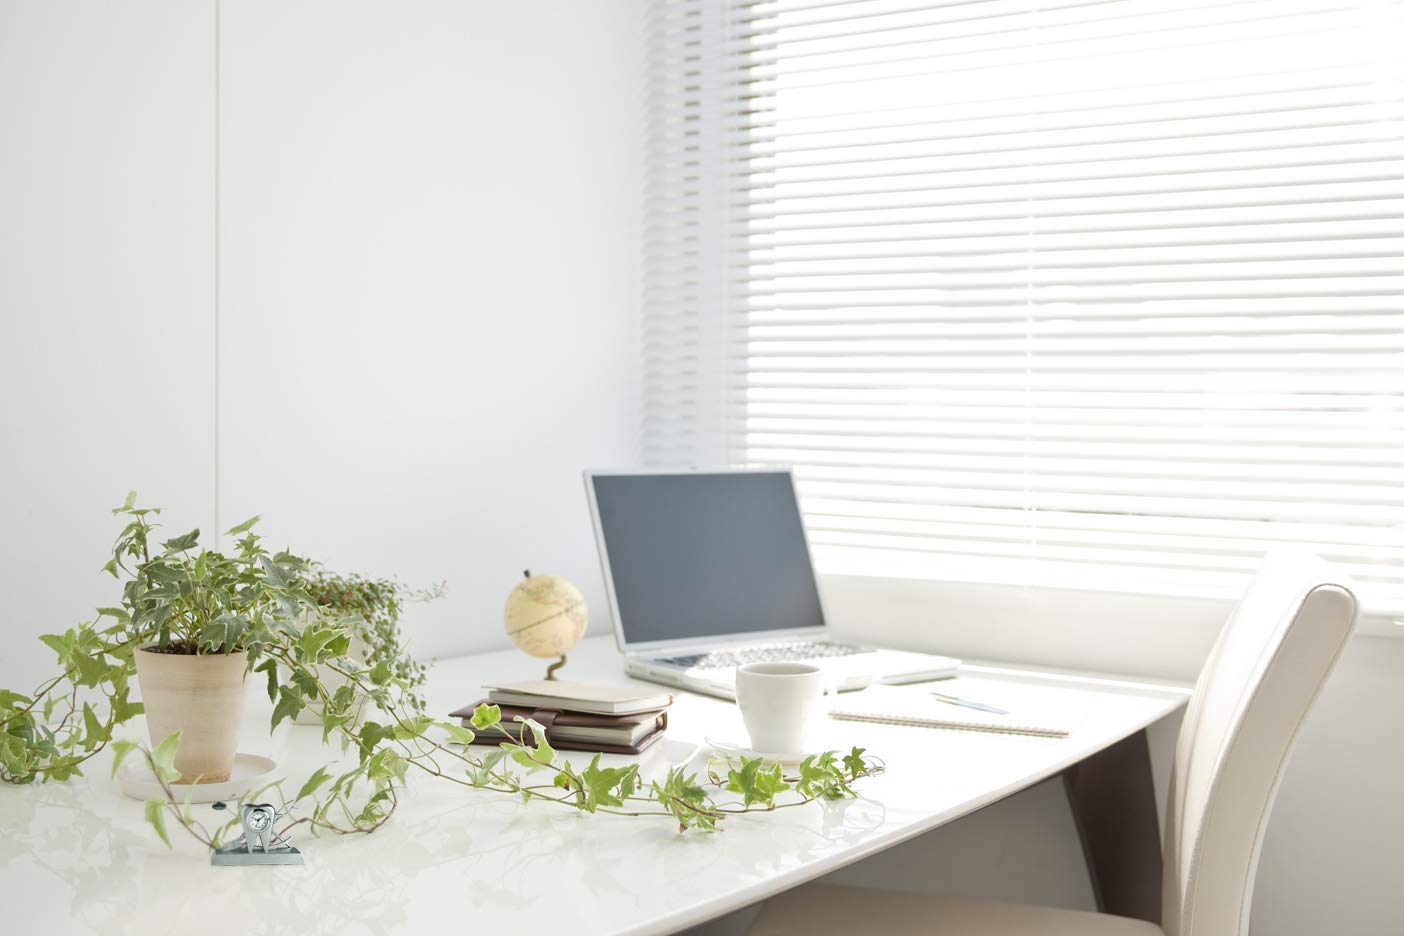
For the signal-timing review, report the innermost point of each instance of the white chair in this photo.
(1261, 679)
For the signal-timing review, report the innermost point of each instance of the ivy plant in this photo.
(191, 600)
(175, 596)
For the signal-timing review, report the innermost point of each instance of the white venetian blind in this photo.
(1106, 293)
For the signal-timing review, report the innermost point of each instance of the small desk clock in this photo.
(260, 844)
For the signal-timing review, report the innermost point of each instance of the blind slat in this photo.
(1104, 292)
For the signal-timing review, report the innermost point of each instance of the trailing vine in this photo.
(192, 600)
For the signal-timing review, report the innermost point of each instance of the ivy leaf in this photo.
(91, 669)
(857, 767)
(601, 785)
(543, 753)
(270, 667)
(223, 633)
(156, 815)
(756, 784)
(289, 704)
(630, 782)
(10, 699)
(331, 721)
(163, 758)
(407, 729)
(306, 683)
(244, 527)
(319, 777)
(313, 643)
(521, 756)
(124, 711)
(821, 776)
(120, 749)
(61, 770)
(340, 643)
(771, 782)
(385, 764)
(457, 733)
(62, 645)
(685, 799)
(94, 731)
(183, 542)
(380, 673)
(809, 775)
(743, 781)
(485, 716)
(343, 697)
(276, 574)
(481, 776)
(371, 735)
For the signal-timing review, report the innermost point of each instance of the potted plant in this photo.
(215, 618)
(197, 619)
(369, 609)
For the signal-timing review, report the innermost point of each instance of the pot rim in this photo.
(189, 656)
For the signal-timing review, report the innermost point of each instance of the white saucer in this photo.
(733, 749)
(250, 772)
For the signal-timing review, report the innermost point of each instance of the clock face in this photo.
(257, 820)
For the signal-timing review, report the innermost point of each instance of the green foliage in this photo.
(174, 595)
(273, 609)
(486, 716)
(156, 816)
(194, 600)
(756, 783)
(163, 759)
(686, 800)
(370, 610)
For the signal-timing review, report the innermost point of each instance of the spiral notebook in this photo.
(915, 706)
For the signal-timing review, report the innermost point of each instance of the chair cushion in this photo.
(826, 908)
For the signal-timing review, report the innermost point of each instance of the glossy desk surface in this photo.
(78, 858)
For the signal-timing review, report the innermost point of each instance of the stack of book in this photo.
(576, 716)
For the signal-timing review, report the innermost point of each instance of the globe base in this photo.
(551, 670)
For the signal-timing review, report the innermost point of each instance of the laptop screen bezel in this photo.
(817, 632)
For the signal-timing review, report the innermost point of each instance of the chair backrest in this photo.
(1261, 678)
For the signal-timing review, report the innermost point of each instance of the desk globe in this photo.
(545, 616)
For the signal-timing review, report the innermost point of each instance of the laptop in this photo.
(707, 570)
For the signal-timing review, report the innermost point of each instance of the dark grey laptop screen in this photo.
(703, 555)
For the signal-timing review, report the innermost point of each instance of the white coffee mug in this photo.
(782, 704)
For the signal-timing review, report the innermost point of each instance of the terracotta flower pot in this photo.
(203, 698)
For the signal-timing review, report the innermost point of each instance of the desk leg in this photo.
(1112, 797)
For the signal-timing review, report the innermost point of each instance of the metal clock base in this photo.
(235, 855)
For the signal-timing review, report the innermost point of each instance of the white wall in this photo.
(431, 230)
(106, 278)
(429, 243)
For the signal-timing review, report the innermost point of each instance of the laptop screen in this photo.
(705, 555)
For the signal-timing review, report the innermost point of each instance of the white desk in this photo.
(77, 857)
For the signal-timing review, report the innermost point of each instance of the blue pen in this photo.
(966, 703)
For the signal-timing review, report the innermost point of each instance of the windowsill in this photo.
(1160, 635)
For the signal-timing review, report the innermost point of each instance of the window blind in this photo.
(1105, 293)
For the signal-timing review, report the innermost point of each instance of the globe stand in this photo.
(551, 670)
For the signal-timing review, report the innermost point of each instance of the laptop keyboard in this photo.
(779, 653)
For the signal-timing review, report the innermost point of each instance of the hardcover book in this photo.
(575, 731)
